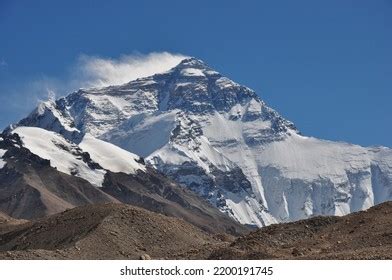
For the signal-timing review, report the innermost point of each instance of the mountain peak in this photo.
(193, 67)
(192, 86)
(192, 62)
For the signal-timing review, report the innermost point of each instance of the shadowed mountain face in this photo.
(31, 188)
(223, 142)
(155, 192)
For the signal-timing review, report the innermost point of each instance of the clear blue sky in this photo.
(325, 65)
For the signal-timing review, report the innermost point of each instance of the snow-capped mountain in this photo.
(222, 141)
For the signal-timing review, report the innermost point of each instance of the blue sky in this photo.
(325, 65)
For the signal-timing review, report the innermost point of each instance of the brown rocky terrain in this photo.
(8, 224)
(111, 231)
(120, 231)
(361, 235)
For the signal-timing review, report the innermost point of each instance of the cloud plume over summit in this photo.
(92, 71)
(85, 72)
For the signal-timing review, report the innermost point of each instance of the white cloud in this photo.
(92, 71)
(87, 71)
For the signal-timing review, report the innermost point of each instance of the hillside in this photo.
(362, 235)
(118, 231)
(111, 231)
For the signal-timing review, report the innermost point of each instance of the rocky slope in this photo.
(119, 231)
(111, 231)
(8, 223)
(223, 142)
(30, 187)
(361, 235)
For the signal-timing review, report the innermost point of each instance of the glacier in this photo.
(223, 142)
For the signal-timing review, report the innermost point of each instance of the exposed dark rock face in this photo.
(157, 193)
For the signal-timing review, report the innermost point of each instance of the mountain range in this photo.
(189, 143)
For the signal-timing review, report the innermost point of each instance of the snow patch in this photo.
(296, 158)
(51, 107)
(144, 134)
(224, 83)
(63, 155)
(2, 152)
(110, 156)
(192, 72)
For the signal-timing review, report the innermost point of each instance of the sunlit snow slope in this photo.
(218, 138)
(88, 160)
